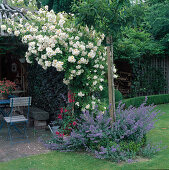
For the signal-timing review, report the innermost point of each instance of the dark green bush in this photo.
(153, 99)
(118, 95)
(46, 87)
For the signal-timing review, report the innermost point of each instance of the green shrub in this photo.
(118, 95)
(153, 99)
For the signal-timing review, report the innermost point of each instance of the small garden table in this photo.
(3, 105)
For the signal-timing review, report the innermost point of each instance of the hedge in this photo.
(153, 99)
(46, 87)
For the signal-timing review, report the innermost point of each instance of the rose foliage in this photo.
(54, 40)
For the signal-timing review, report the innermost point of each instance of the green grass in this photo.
(80, 161)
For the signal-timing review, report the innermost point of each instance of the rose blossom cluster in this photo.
(54, 40)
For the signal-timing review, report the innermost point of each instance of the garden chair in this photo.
(14, 120)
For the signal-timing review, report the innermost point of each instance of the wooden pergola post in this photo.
(110, 77)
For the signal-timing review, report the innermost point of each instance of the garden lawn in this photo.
(76, 161)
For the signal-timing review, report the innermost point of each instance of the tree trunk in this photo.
(110, 78)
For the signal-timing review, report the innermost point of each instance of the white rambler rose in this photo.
(71, 42)
(59, 66)
(80, 34)
(95, 77)
(101, 88)
(54, 63)
(46, 7)
(86, 28)
(115, 76)
(95, 71)
(9, 30)
(80, 94)
(49, 51)
(3, 27)
(95, 48)
(48, 33)
(28, 61)
(102, 36)
(52, 28)
(77, 104)
(34, 52)
(32, 44)
(44, 57)
(90, 45)
(39, 60)
(78, 67)
(70, 50)
(101, 80)
(77, 38)
(104, 54)
(75, 45)
(114, 69)
(79, 72)
(66, 81)
(40, 48)
(96, 66)
(61, 22)
(71, 77)
(84, 53)
(73, 71)
(52, 45)
(94, 83)
(44, 67)
(16, 33)
(82, 61)
(87, 106)
(75, 52)
(71, 59)
(93, 104)
(48, 63)
(99, 42)
(82, 47)
(58, 50)
(101, 67)
(103, 72)
(92, 54)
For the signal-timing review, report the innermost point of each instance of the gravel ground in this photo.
(17, 150)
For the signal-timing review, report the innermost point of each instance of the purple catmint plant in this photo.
(95, 133)
(133, 123)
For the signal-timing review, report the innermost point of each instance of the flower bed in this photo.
(124, 140)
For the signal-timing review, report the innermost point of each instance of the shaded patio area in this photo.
(22, 149)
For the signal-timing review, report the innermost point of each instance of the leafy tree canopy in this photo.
(106, 16)
(135, 43)
(58, 5)
(158, 18)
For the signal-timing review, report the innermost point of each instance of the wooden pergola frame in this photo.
(6, 12)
